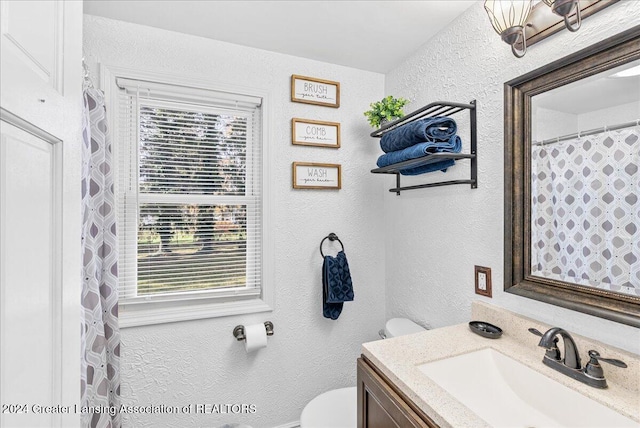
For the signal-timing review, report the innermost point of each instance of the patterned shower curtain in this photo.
(100, 382)
(586, 211)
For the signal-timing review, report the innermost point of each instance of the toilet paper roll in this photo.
(255, 337)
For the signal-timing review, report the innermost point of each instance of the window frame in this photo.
(147, 310)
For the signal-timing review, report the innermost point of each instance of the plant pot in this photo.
(385, 121)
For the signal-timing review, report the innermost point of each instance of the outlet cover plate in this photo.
(481, 270)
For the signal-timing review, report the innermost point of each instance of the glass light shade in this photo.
(507, 14)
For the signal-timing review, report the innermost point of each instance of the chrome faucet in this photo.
(592, 374)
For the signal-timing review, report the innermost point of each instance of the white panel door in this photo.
(40, 260)
(29, 278)
(31, 64)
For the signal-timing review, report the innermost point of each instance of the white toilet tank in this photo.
(400, 326)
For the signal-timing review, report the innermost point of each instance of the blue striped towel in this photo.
(432, 129)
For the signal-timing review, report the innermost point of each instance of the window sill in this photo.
(151, 313)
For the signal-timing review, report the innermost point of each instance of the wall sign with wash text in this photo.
(316, 175)
(310, 90)
(306, 132)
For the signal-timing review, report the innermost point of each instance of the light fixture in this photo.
(508, 19)
(563, 8)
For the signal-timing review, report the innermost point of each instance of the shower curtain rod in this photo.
(585, 133)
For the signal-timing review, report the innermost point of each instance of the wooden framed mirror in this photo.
(572, 181)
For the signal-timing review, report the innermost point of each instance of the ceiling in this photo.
(593, 93)
(369, 35)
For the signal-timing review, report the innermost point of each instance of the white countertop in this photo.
(399, 357)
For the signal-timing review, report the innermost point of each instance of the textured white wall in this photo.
(610, 116)
(435, 236)
(546, 123)
(200, 361)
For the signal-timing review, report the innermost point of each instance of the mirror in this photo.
(585, 152)
(572, 181)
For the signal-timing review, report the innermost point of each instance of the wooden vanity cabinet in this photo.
(382, 405)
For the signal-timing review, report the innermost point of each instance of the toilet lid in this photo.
(332, 409)
(396, 327)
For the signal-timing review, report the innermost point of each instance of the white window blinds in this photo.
(189, 193)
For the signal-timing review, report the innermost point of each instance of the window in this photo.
(190, 202)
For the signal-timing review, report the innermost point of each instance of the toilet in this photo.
(337, 408)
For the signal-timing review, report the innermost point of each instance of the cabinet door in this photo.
(380, 406)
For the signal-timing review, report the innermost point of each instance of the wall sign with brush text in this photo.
(310, 90)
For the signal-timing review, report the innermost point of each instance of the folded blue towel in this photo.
(431, 129)
(337, 287)
(454, 145)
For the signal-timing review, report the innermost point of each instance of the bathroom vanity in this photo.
(383, 404)
(453, 377)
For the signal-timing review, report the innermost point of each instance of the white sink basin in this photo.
(506, 393)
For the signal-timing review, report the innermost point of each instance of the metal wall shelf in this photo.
(440, 108)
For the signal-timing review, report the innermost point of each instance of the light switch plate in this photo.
(483, 281)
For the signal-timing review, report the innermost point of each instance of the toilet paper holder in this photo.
(238, 331)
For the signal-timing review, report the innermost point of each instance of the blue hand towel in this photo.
(432, 129)
(453, 145)
(337, 287)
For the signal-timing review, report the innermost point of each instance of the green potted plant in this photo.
(385, 110)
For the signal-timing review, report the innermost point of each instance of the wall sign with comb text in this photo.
(306, 132)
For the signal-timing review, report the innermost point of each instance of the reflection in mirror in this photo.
(585, 182)
(572, 213)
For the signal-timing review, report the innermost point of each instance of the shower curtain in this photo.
(586, 211)
(100, 380)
